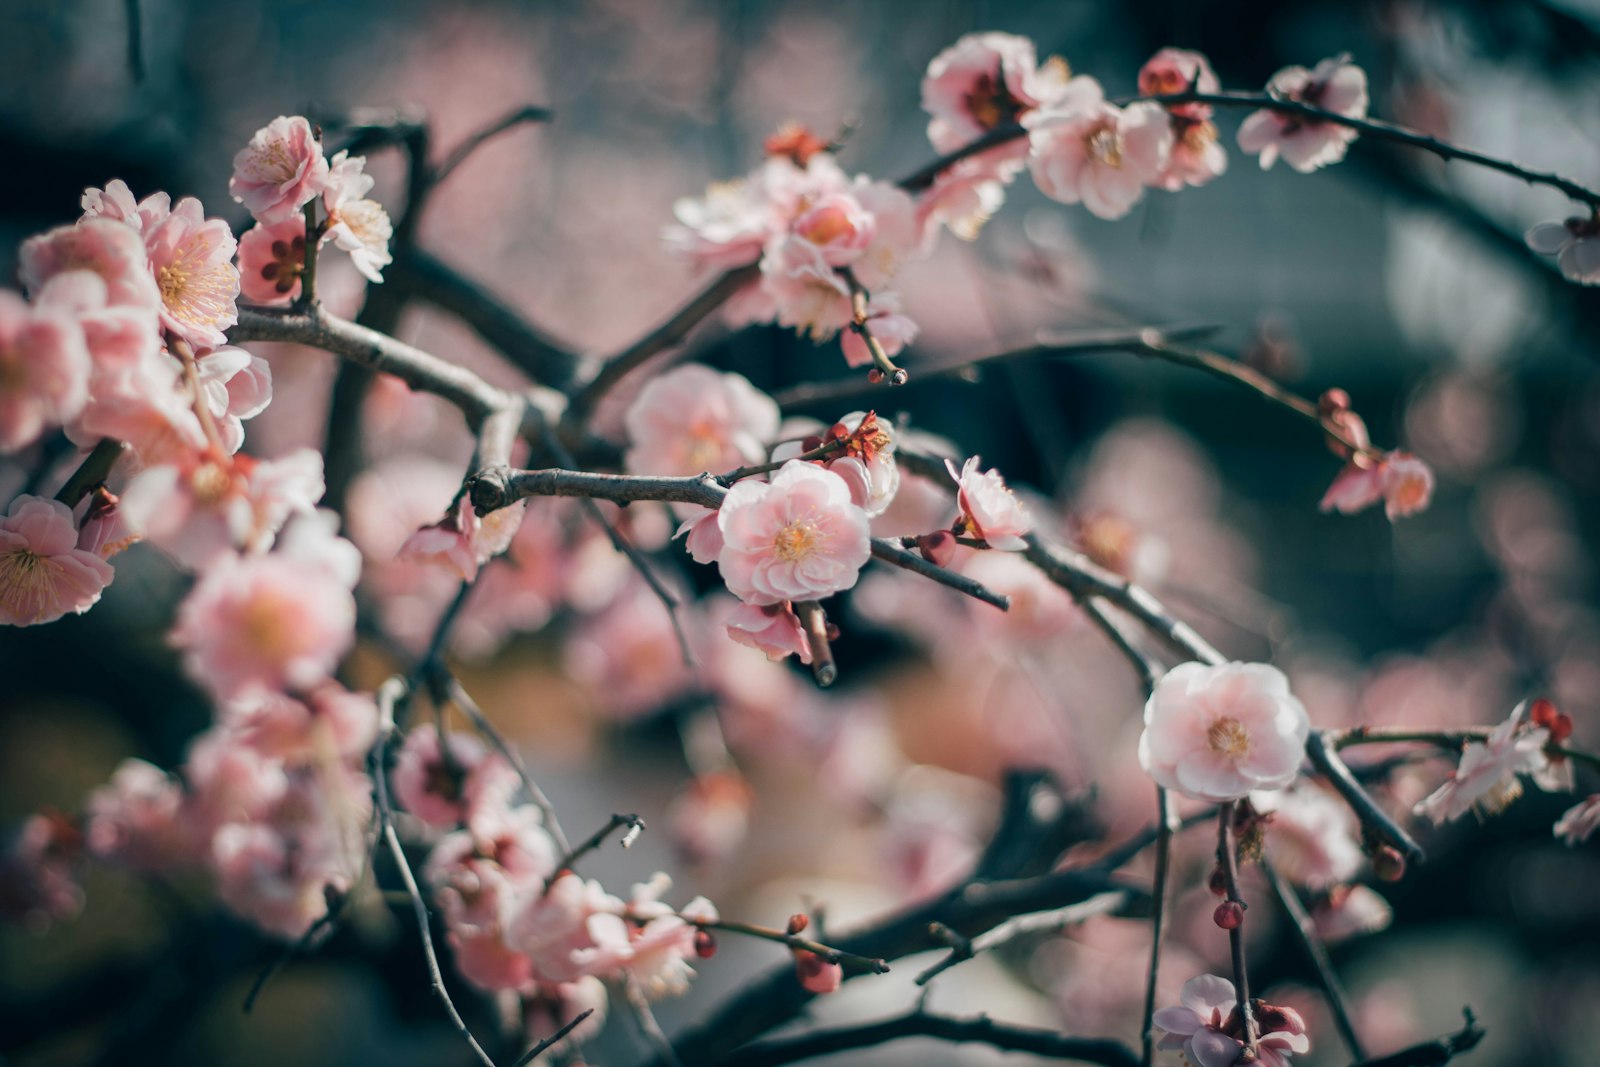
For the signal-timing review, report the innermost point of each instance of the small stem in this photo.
(1228, 861)
(93, 471)
(544, 1046)
(766, 933)
(858, 310)
(1166, 819)
(632, 823)
(822, 451)
(202, 410)
(1306, 932)
(308, 272)
(815, 623)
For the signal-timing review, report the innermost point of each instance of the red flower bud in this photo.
(797, 923)
(1229, 915)
(705, 945)
(1388, 864)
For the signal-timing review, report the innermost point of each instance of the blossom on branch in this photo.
(192, 257)
(1305, 143)
(990, 511)
(43, 573)
(356, 224)
(271, 260)
(280, 171)
(1216, 733)
(1086, 150)
(1487, 779)
(1576, 245)
(798, 537)
(983, 82)
(693, 419)
(44, 371)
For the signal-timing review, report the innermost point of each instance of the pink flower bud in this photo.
(1229, 915)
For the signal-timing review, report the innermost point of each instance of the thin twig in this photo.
(648, 1025)
(829, 954)
(891, 551)
(550, 1042)
(1378, 130)
(1227, 861)
(631, 823)
(475, 140)
(459, 696)
(1166, 819)
(1437, 1052)
(1306, 933)
(1023, 925)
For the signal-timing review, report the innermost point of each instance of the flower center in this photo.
(195, 291)
(795, 541)
(1105, 145)
(990, 103)
(1227, 736)
(266, 628)
(210, 484)
(826, 226)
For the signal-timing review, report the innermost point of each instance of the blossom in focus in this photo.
(1199, 1024)
(1086, 150)
(702, 536)
(692, 419)
(1580, 821)
(44, 371)
(990, 511)
(192, 258)
(280, 171)
(356, 224)
(1216, 733)
(43, 573)
(271, 260)
(1487, 780)
(798, 537)
(1576, 245)
(1307, 144)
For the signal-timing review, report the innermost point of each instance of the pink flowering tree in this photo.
(1107, 766)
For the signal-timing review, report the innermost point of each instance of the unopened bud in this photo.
(875, 376)
(1388, 864)
(1333, 400)
(1229, 915)
(1218, 883)
(797, 923)
(705, 945)
(1274, 1018)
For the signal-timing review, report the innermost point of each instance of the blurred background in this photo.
(1396, 277)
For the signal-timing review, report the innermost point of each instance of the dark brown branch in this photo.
(669, 333)
(550, 1042)
(1380, 130)
(1228, 863)
(814, 621)
(978, 1029)
(963, 948)
(475, 140)
(891, 551)
(94, 470)
(926, 175)
(1327, 761)
(459, 696)
(537, 355)
(1166, 819)
(1434, 1053)
(376, 351)
(631, 823)
(1306, 933)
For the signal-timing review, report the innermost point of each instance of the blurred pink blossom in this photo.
(692, 419)
(1576, 245)
(1487, 778)
(1579, 822)
(1306, 144)
(44, 371)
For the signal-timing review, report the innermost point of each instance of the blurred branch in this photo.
(1306, 933)
(978, 1029)
(475, 140)
(1327, 761)
(1437, 1052)
(1041, 922)
(1228, 863)
(130, 10)
(94, 469)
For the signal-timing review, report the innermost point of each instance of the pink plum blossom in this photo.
(1216, 733)
(104, 247)
(990, 511)
(798, 537)
(815, 974)
(1200, 1025)
(1349, 911)
(808, 294)
(134, 818)
(554, 1004)
(116, 202)
(208, 504)
(725, 229)
(628, 656)
(962, 198)
(1487, 780)
(1310, 835)
(702, 536)
(710, 816)
(303, 729)
(692, 419)
(772, 629)
(446, 543)
(1576, 245)
(1306, 144)
(1402, 481)
(1580, 821)
(280, 171)
(356, 224)
(253, 625)
(982, 82)
(1086, 150)
(43, 574)
(430, 787)
(192, 258)
(271, 259)
(38, 877)
(44, 371)
(1176, 70)
(554, 929)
